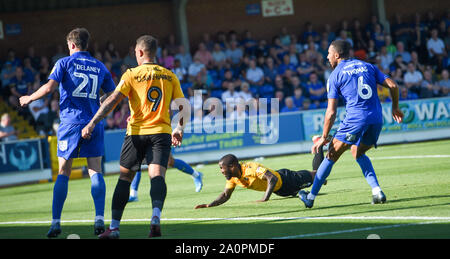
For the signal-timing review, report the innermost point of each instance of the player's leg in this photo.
(134, 187)
(130, 161)
(60, 190)
(186, 168)
(98, 192)
(369, 138)
(158, 157)
(335, 150)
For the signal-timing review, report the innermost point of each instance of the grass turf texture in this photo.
(417, 190)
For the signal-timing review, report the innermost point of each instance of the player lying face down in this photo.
(255, 176)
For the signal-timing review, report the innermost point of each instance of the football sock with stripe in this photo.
(322, 173)
(59, 196)
(158, 192)
(368, 172)
(135, 183)
(184, 167)
(98, 191)
(119, 201)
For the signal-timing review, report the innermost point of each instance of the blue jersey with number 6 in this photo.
(80, 77)
(356, 81)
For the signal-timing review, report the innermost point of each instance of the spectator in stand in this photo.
(391, 48)
(378, 36)
(11, 57)
(285, 37)
(262, 50)
(406, 95)
(179, 71)
(385, 58)
(270, 71)
(44, 69)
(280, 96)
(428, 88)
(289, 105)
(444, 83)
(415, 61)
(306, 105)
(401, 51)
(230, 96)
(343, 35)
(304, 68)
(397, 76)
(28, 70)
(218, 57)
(436, 50)
(59, 53)
(203, 55)
(184, 57)
(413, 79)
(254, 75)
(195, 68)
(35, 60)
(401, 31)
(111, 54)
(130, 59)
(18, 85)
(171, 45)
(309, 31)
(7, 131)
(167, 59)
(280, 85)
(38, 108)
(249, 43)
(234, 53)
(121, 115)
(298, 97)
(317, 90)
(370, 27)
(286, 65)
(245, 92)
(49, 119)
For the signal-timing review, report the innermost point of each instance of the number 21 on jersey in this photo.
(78, 92)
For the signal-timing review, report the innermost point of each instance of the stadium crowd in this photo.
(292, 66)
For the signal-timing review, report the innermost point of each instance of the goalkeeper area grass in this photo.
(415, 178)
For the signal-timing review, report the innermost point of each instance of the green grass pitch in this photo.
(415, 178)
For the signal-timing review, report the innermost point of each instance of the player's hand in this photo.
(86, 132)
(397, 114)
(319, 143)
(201, 206)
(177, 137)
(25, 100)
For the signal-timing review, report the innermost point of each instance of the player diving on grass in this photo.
(80, 78)
(173, 162)
(255, 176)
(356, 82)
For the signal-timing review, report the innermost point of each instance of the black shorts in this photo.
(155, 149)
(293, 181)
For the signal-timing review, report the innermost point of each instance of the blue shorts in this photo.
(354, 134)
(72, 145)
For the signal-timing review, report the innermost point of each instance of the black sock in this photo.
(120, 199)
(158, 191)
(318, 158)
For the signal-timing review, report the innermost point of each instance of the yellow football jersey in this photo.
(253, 177)
(150, 88)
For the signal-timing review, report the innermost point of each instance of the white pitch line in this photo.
(359, 229)
(409, 157)
(247, 219)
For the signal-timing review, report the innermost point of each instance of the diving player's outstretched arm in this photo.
(223, 197)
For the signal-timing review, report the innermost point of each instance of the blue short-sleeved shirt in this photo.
(80, 77)
(356, 81)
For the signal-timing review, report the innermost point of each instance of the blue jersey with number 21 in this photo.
(80, 77)
(356, 81)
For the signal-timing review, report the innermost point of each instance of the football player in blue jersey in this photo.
(79, 78)
(356, 82)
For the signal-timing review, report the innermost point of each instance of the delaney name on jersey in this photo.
(87, 68)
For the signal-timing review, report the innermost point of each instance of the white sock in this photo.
(54, 221)
(376, 190)
(133, 193)
(102, 218)
(195, 174)
(311, 196)
(114, 224)
(156, 213)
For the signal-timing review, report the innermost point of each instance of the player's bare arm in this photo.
(330, 117)
(177, 133)
(44, 90)
(223, 197)
(108, 105)
(271, 182)
(397, 114)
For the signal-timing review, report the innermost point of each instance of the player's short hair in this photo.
(149, 44)
(80, 37)
(342, 47)
(229, 160)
